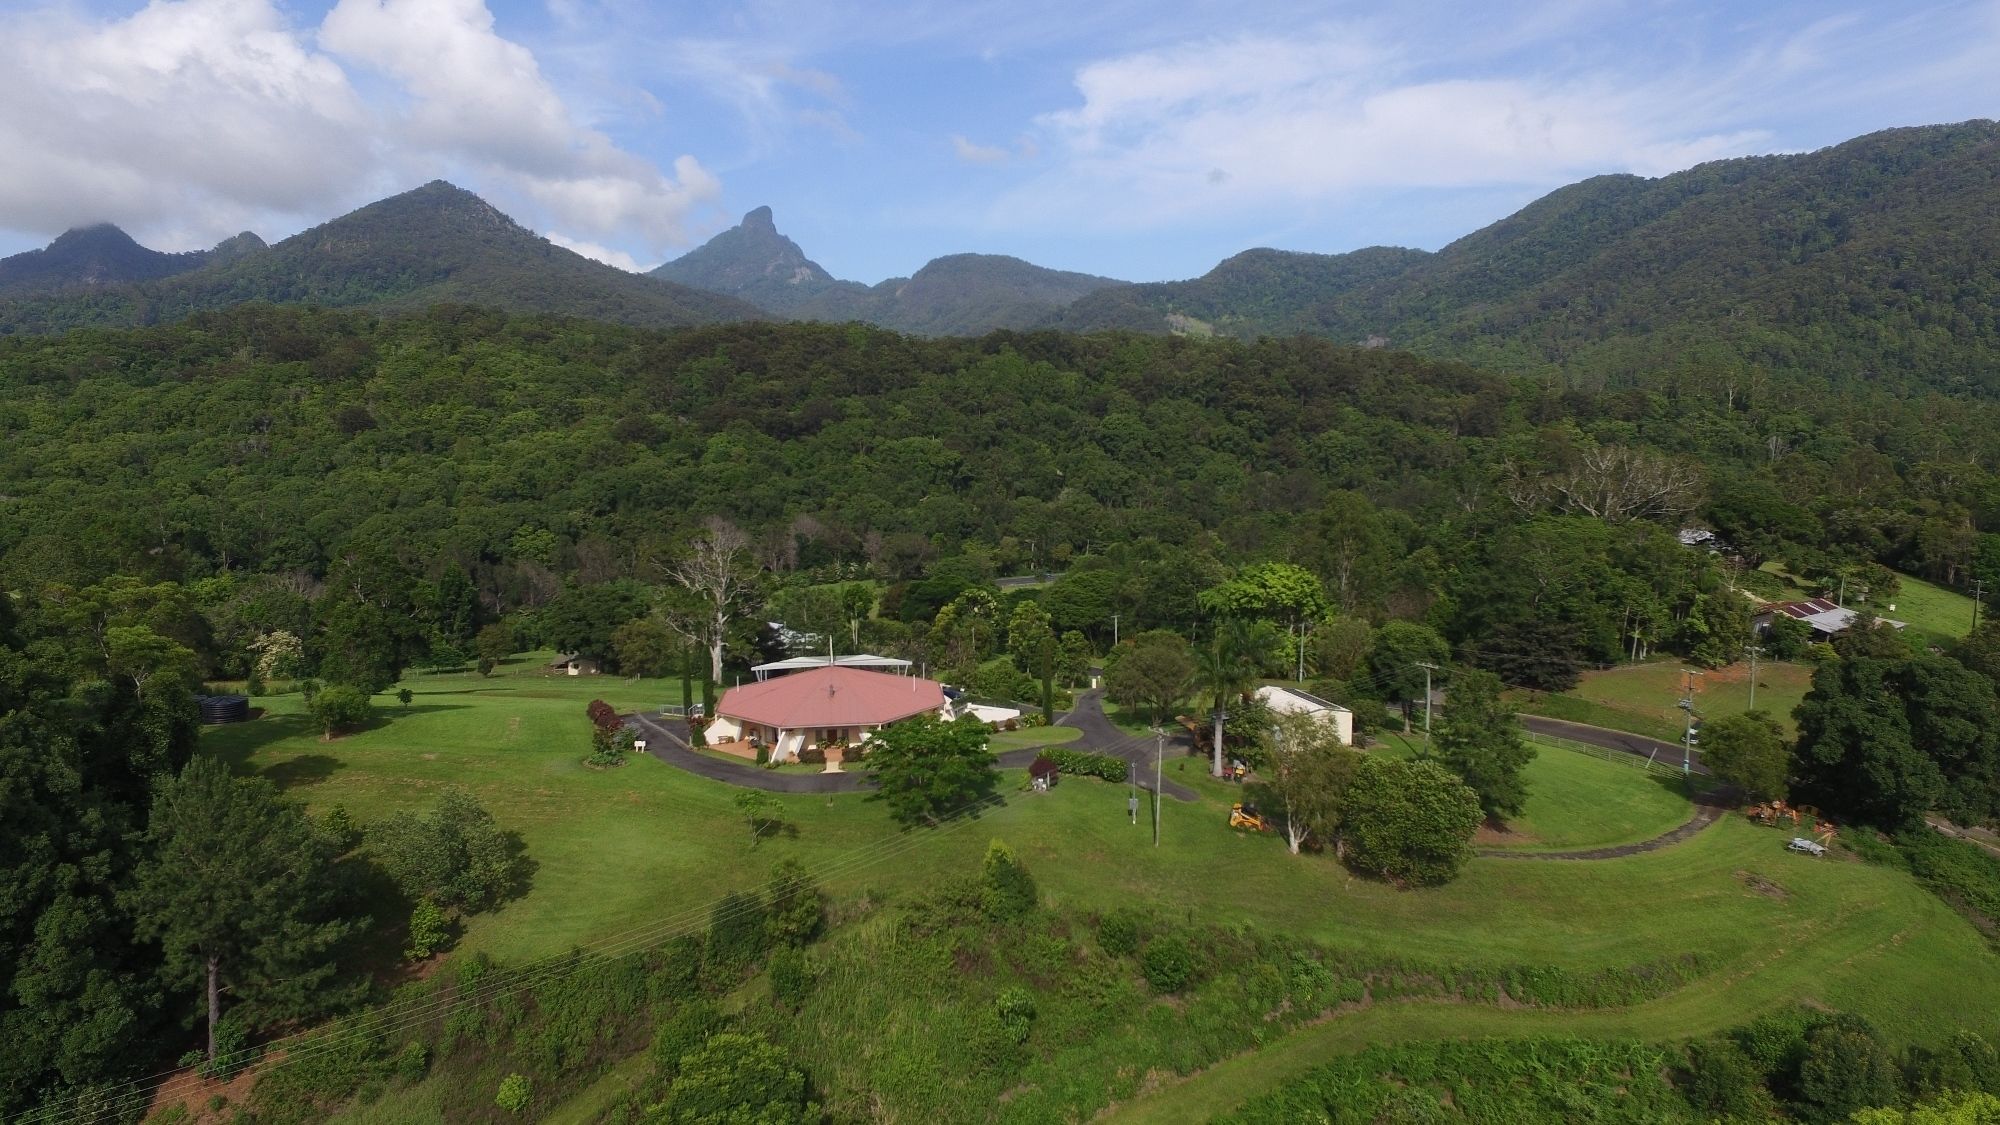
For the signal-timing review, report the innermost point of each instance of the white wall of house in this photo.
(1286, 702)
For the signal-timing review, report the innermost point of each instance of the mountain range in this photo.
(1873, 259)
(957, 295)
(437, 244)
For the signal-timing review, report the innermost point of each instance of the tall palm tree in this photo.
(1229, 666)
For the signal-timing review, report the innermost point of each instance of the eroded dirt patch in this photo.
(1758, 884)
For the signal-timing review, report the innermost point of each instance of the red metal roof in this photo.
(831, 697)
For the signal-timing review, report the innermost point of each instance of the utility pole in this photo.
(1132, 798)
(1978, 593)
(1302, 651)
(1159, 749)
(1687, 733)
(1755, 651)
(1428, 668)
(1114, 630)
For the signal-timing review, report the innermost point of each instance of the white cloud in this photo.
(977, 153)
(205, 116)
(483, 98)
(192, 119)
(1258, 120)
(597, 253)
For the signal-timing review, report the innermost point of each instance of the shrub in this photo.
(1720, 1080)
(791, 974)
(338, 707)
(1845, 1069)
(736, 931)
(1118, 932)
(1083, 763)
(1169, 963)
(689, 1027)
(1006, 888)
(430, 930)
(1410, 822)
(513, 1095)
(794, 907)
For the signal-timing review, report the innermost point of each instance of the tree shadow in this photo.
(306, 769)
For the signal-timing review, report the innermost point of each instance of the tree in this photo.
(927, 768)
(1886, 736)
(1749, 752)
(1032, 641)
(138, 655)
(238, 889)
(458, 856)
(339, 707)
(1229, 667)
(404, 696)
(1394, 660)
(1305, 776)
(761, 810)
(1073, 658)
(736, 1078)
(646, 646)
(1480, 741)
(583, 619)
(494, 644)
(712, 571)
(1352, 550)
(1154, 671)
(857, 601)
(1409, 822)
(1845, 1069)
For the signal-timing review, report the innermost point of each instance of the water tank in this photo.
(224, 708)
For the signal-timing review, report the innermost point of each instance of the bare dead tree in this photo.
(1616, 483)
(713, 571)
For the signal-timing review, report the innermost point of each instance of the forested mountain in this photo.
(103, 255)
(1873, 260)
(437, 243)
(956, 295)
(754, 262)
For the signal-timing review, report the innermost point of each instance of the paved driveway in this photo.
(668, 740)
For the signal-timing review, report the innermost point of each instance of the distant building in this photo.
(825, 708)
(570, 664)
(1828, 620)
(1292, 701)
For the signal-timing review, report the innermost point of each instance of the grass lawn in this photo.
(1937, 614)
(1030, 737)
(1577, 801)
(1643, 698)
(633, 854)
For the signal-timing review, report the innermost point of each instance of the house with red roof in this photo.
(821, 708)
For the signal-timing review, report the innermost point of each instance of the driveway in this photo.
(668, 740)
(1103, 736)
(1667, 753)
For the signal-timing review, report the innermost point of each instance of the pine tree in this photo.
(1479, 741)
(238, 890)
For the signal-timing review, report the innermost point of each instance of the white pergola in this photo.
(855, 660)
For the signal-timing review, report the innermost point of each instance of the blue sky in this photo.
(1139, 140)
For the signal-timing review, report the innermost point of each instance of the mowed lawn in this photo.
(1578, 801)
(631, 855)
(1644, 698)
(1938, 614)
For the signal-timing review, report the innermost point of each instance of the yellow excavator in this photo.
(1245, 816)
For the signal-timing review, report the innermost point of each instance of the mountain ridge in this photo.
(434, 244)
(953, 295)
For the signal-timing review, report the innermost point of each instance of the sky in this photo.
(1139, 140)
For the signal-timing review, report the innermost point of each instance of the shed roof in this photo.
(831, 697)
(1822, 614)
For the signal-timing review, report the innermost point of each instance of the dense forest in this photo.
(1870, 261)
(332, 497)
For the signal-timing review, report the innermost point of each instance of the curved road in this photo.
(1638, 745)
(668, 740)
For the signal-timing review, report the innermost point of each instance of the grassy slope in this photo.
(1643, 698)
(637, 847)
(1938, 614)
(1577, 801)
